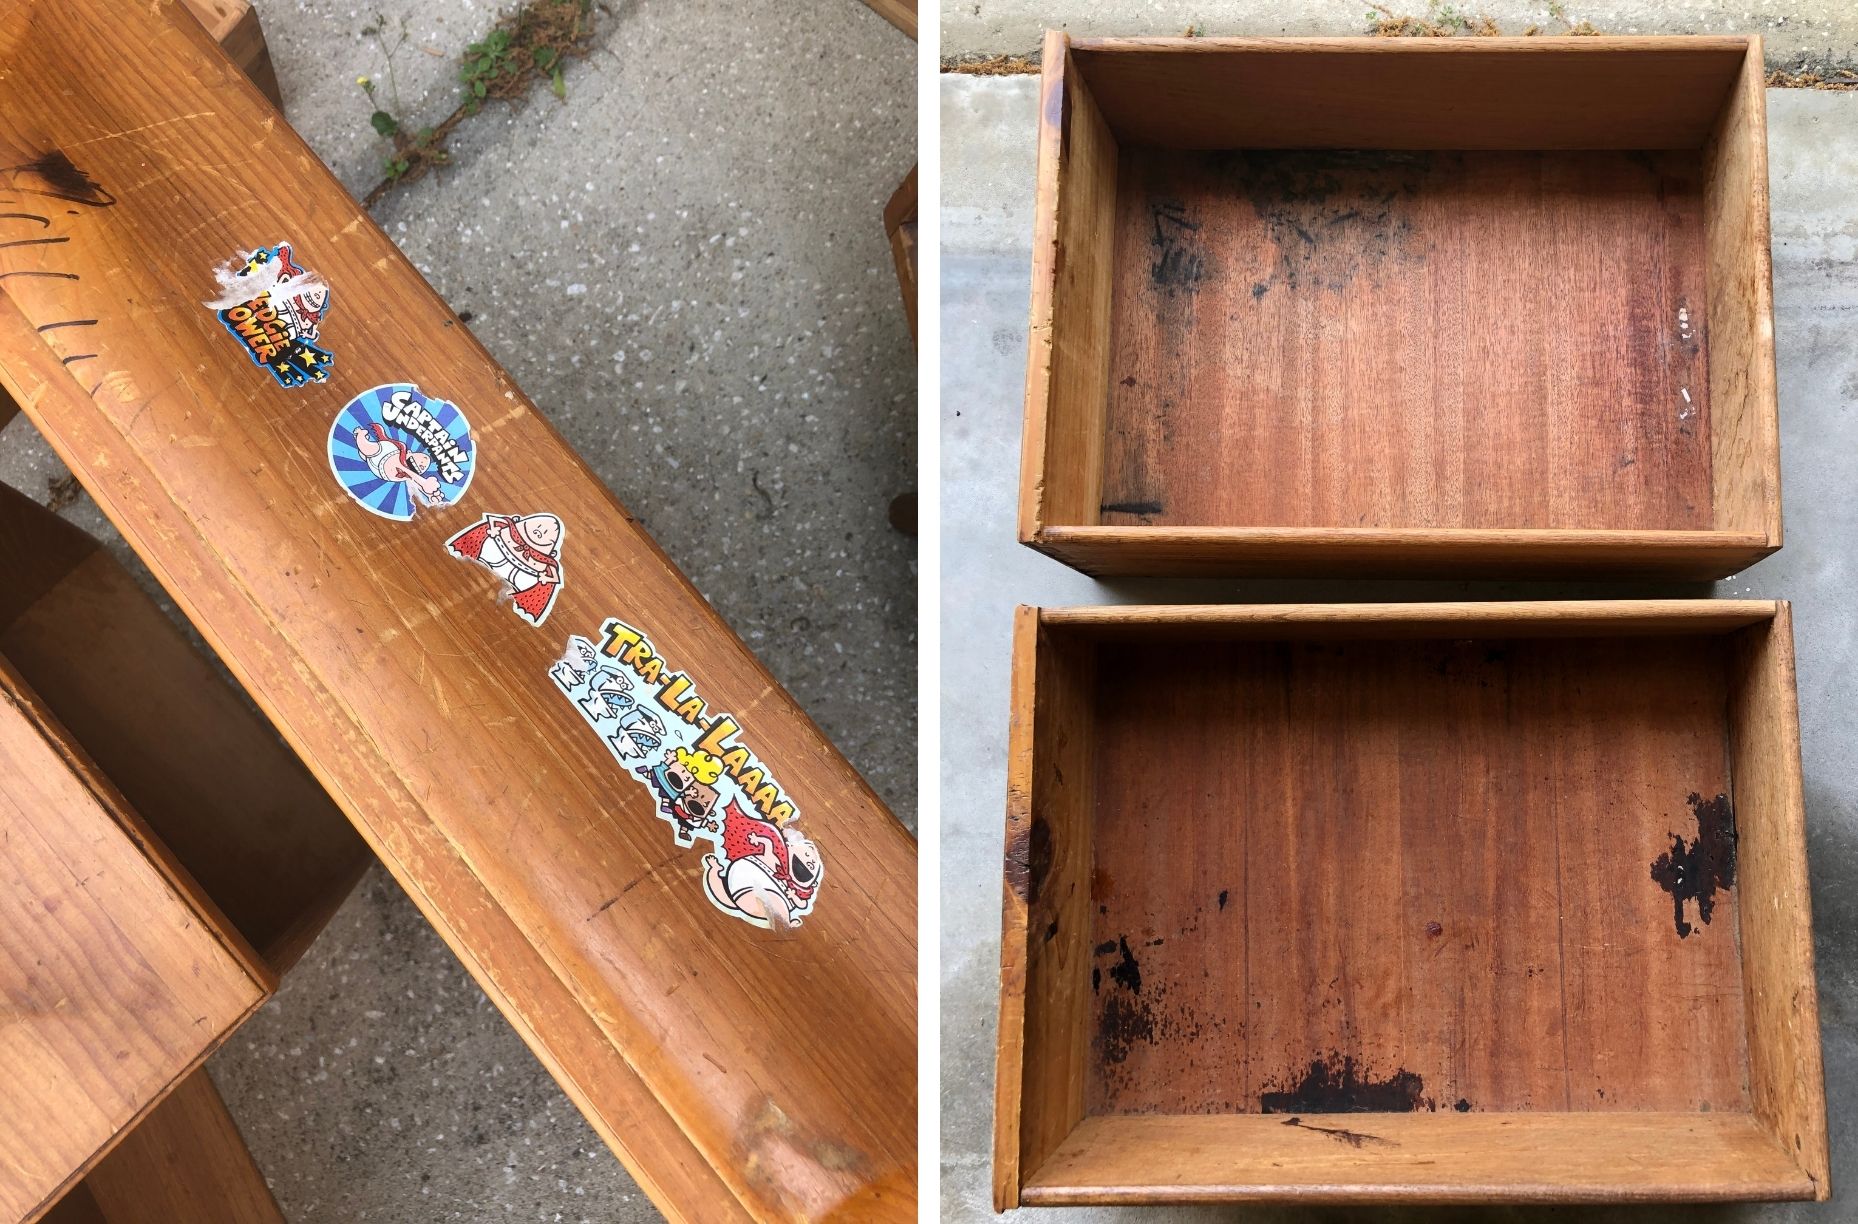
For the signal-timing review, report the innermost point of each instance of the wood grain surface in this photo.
(707, 1051)
(1445, 902)
(1311, 338)
(900, 227)
(1420, 1158)
(1426, 857)
(1499, 307)
(116, 977)
(1660, 92)
(195, 761)
(185, 1161)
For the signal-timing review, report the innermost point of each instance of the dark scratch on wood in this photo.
(1354, 1139)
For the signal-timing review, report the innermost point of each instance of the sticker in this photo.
(707, 784)
(524, 551)
(394, 448)
(275, 308)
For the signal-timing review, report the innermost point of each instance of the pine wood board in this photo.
(705, 1050)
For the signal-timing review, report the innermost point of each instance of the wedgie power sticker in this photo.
(395, 448)
(275, 308)
(524, 551)
(708, 785)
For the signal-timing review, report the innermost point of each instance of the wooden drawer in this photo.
(1441, 902)
(116, 976)
(1363, 306)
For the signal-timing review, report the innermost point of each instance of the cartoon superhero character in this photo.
(524, 551)
(571, 670)
(609, 693)
(275, 308)
(686, 792)
(638, 733)
(391, 459)
(767, 873)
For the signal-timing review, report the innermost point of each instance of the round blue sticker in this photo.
(395, 449)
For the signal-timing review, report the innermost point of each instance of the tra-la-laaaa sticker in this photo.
(274, 308)
(707, 784)
(394, 448)
(524, 551)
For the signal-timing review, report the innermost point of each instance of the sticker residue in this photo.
(707, 784)
(274, 308)
(524, 551)
(394, 448)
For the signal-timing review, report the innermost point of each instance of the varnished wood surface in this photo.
(1428, 857)
(1366, 552)
(233, 24)
(1487, 93)
(225, 797)
(1420, 1158)
(1304, 621)
(116, 977)
(1786, 1068)
(1045, 954)
(1745, 404)
(708, 1052)
(900, 226)
(1408, 339)
(1475, 297)
(900, 13)
(1068, 335)
(1366, 857)
(185, 1161)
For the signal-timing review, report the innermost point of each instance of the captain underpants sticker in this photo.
(524, 551)
(395, 448)
(707, 784)
(274, 308)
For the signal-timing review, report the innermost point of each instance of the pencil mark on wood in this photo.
(51, 275)
(43, 221)
(20, 242)
(45, 327)
(1698, 869)
(1130, 507)
(76, 357)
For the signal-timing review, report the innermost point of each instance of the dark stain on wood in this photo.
(1225, 894)
(1354, 1139)
(1017, 851)
(1327, 1086)
(1126, 972)
(1434, 930)
(1331, 213)
(1130, 507)
(1038, 857)
(1464, 1106)
(1125, 1022)
(62, 179)
(1697, 870)
(1180, 261)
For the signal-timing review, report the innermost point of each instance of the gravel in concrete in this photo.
(988, 127)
